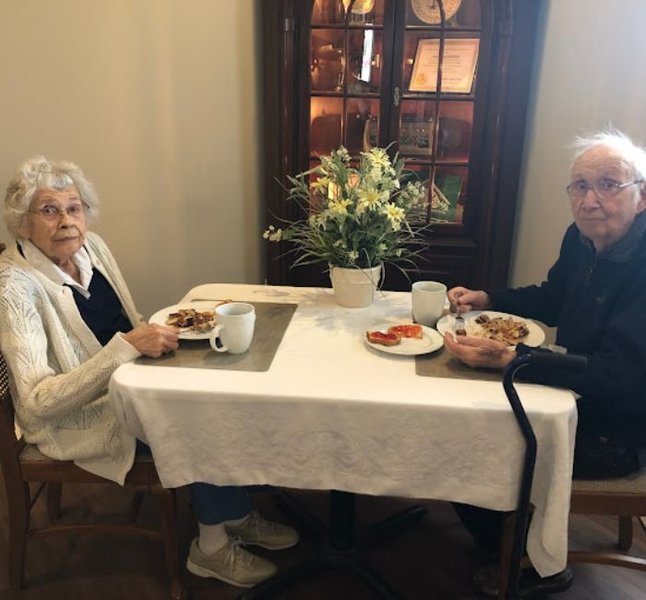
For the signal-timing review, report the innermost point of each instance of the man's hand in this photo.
(153, 340)
(479, 352)
(463, 299)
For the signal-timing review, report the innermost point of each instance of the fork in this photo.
(459, 326)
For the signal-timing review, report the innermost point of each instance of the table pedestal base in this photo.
(339, 549)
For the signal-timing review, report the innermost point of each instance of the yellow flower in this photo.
(370, 199)
(338, 208)
(395, 215)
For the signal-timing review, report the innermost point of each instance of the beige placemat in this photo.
(442, 364)
(272, 319)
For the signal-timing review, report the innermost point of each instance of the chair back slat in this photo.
(10, 446)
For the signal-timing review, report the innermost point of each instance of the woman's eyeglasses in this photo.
(603, 188)
(50, 212)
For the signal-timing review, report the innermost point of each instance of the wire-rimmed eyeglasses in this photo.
(50, 212)
(603, 188)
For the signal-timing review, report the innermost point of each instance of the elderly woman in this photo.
(67, 321)
(595, 295)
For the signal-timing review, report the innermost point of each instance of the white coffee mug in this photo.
(234, 329)
(428, 299)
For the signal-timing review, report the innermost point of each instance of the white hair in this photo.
(38, 173)
(633, 154)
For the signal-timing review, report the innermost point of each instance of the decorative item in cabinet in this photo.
(429, 12)
(457, 13)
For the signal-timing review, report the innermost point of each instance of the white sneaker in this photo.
(256, 531)
(231, 564)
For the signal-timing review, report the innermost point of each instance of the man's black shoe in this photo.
(532, 585)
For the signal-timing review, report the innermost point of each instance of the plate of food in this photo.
(405, 339)
(195, 319)
(493, 325)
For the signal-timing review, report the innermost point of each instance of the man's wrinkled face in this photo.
(606, 220)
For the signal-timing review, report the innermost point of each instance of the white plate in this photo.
(159, 318)
(535, 337)
(430, 342)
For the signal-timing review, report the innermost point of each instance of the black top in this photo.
(597, 302)
(102, 311)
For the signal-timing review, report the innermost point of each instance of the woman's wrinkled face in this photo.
(606, 220)
(56, 223)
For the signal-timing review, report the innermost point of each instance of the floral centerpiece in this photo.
(354, 217)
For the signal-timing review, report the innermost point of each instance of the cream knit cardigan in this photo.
(58, 370)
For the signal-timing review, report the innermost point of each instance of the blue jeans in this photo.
(214, 504)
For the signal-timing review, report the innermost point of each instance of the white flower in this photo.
(353, 255)
(272, 234)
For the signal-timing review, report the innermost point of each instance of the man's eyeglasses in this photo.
(50, 212)
(603, 188)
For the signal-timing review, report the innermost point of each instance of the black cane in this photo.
(546, 359)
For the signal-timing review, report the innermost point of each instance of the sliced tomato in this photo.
(410, 330)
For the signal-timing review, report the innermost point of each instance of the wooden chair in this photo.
(22, 464)
(623, 497)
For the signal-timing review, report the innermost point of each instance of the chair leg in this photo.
(54, 491)
(18, 513)
(506, 544)
(168, 503)
(625, 540)
(135, 507)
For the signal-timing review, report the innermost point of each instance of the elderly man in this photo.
(595, 295)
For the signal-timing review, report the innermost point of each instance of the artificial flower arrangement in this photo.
(354, 217)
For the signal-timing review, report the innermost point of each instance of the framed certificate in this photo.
(458, 65)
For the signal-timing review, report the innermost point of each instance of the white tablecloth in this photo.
(332, 413)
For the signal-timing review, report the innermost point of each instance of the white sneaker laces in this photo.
(237, 555)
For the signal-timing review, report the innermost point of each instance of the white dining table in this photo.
(333, 413)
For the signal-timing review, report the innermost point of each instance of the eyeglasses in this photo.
(603, 188)
(50, 212)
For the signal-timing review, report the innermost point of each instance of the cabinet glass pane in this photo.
(362, 124)
(416, 120)
(365, 49)
(357, 13)
(325, 124)
(327, 60)
(447, 192)
(454, 135)
(447, 203)
(417, 129)
(457, 13)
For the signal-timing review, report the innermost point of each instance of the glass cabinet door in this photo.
(437, 87)
(429, 111)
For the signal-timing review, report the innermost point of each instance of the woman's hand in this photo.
(479, 352)
(153, 340)
(463, 299)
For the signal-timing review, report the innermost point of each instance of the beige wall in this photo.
(591, 72)
(157, 101)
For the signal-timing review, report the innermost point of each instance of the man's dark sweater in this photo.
(598, 304)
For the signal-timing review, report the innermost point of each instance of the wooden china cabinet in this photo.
(443, 82)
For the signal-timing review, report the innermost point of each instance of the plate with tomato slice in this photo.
(405, 339)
